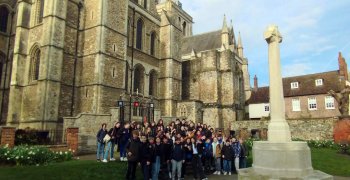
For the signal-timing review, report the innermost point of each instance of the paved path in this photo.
(215, 177)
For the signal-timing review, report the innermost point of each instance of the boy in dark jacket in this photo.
(145, 157)
(166, 155)
(177, 158)
(227, 154)
(208, 155)
(133, 151)
(124, 136)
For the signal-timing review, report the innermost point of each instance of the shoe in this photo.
(125, 159)
(105, 160)
(229, 173)
(215, 172)
(121, 159)
(225, 173)
(112, 159)
(219, 173)
(98, 160)
(205, 179)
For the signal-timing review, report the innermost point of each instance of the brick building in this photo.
(61, 58)
(305, 97)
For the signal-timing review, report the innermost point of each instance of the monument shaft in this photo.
(278, 127)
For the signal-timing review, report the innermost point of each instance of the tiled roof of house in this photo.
(201, 42)
(306, 86)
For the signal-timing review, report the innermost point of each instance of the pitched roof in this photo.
(201, 42)
(307, 86)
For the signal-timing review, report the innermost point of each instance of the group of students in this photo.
(165, 152)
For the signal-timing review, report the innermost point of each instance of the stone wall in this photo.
(89, 125)
(306, 129)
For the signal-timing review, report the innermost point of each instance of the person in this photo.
(124, 136)
(108, 148)
(133, 151)
(100, 144)
(177, 158)
(243, 154)
(156, 159)
(208, 155)
(237, 151)
(227, 154)
(146, 157)
(217, 147)
(111, 143)
(197, 150)
(188, 155)
(166, 155)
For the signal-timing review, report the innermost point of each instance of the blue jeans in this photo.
(123, 149)
(242, 162)
(156, 168)
(218, 164)
(100, 150)
(227, 165)
(109, 144)
(112, 149)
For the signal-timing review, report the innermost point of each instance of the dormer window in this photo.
(319, 82)
(294, 85)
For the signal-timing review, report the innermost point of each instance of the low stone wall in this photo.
(306, 129)
(89, 125)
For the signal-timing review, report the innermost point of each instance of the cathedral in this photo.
(62, 58)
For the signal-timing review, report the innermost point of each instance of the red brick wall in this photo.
(342, 131)
(8, 136)
(72, 138)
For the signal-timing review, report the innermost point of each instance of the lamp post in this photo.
(121, 109)
(151, 110)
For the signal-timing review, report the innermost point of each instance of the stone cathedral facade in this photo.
(61, 58)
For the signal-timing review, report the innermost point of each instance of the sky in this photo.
(313, 31)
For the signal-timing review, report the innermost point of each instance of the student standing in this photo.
(100, 144)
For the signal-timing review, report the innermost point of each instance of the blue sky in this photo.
(313, 31)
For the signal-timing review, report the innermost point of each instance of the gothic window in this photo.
(184, 28)
(153, 43)
(2, 62)
(4, 14)
(183, 111)
(145, 4)
(139, 34)
(35, 64)
(129, 30)
(127, 76)
(153, 83)
(39, 11)
(139, 72)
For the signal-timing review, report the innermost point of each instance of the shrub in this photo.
(32, 155)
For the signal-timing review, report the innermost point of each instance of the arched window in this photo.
(139, 34)
(2, 62)
(35, 64)
(153, 78)
(145, 4)
(4, 15)
(39, 11)
(129, 30)
(127, 76)
(153, 43)
(184, 28)
(139, 72)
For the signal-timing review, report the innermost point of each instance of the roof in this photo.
(261, 95)
(307, 86)
(201, 42)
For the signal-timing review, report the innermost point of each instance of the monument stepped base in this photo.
(288, 160)
(250, 174)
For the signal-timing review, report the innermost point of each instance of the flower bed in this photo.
(32, 155)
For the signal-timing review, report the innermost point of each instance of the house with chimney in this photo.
(305, 96)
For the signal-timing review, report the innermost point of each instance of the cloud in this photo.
(313, 31)
(295, 69)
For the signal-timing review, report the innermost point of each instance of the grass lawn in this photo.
(76, 169)
(326, 160)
